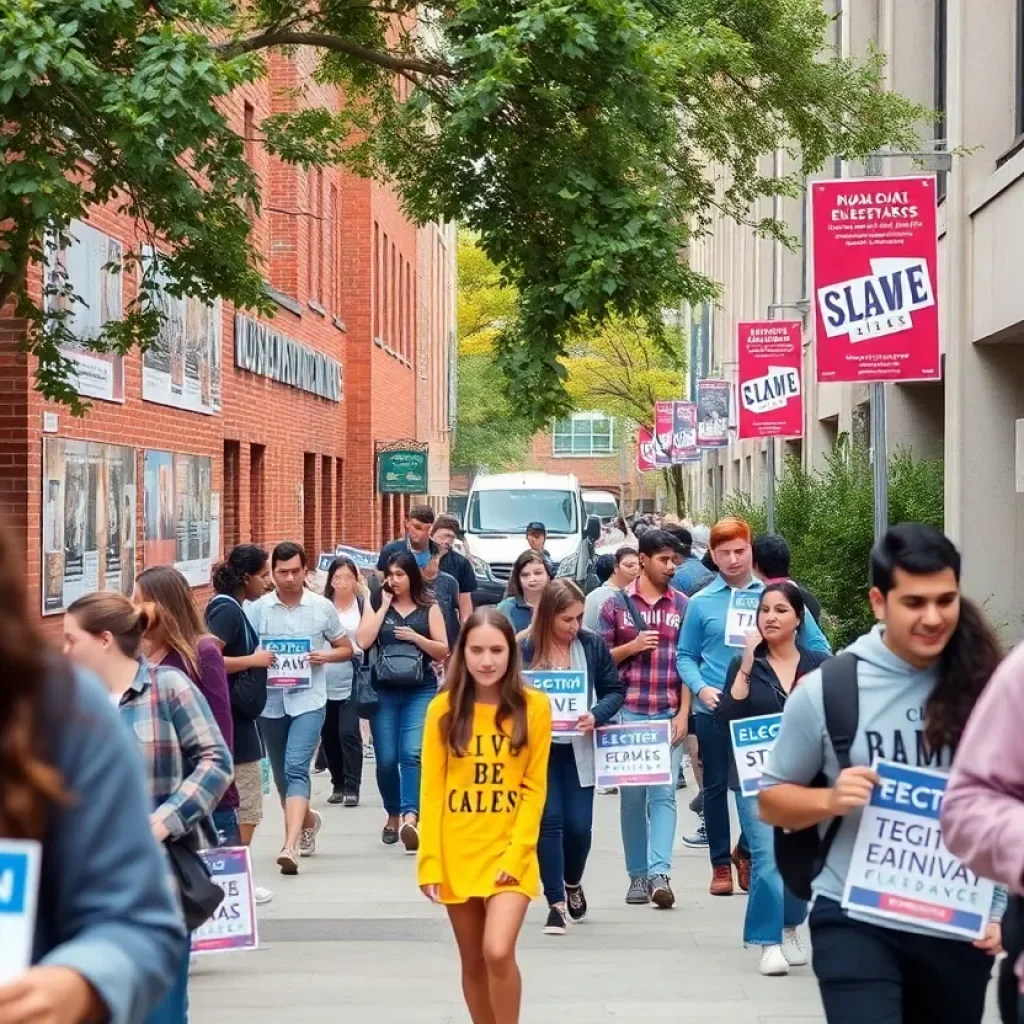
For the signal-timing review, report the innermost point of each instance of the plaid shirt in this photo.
(188, 764)
(652, 682)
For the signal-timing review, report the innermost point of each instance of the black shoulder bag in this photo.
(248, 687)
(364, 687)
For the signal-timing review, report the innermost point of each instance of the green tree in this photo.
(576, 137)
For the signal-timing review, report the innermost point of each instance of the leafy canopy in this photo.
(584, 141)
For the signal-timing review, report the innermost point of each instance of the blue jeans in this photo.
(290, 745)
(771, 906)
(173, 1008)
(567, 826)
(647, 815)
(397, 727)
(715, 758)
(225, 821)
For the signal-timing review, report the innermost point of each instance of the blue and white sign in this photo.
(637, 754)
(567, 692)
(752, 742)
(19, 892)
(291, 669)
(900, 869)
(741, 619)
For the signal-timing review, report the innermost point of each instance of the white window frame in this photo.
(578, 417)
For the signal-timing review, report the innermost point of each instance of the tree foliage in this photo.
(584, 141)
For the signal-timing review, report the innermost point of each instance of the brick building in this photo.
(234, 429)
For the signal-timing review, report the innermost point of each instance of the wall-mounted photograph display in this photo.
(178, 521)
(88, 535)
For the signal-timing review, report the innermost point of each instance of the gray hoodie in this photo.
(890, 727)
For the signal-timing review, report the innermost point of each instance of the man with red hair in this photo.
(719, 618)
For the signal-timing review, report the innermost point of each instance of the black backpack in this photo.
(800, 855)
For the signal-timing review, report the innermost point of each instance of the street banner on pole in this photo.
(644, 450)
(713, 398)
(875, 264)
(770, 392)
(684, 433)
(663, 424)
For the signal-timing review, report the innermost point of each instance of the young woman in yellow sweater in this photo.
(486, 742)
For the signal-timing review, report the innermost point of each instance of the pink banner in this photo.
(663, 424)
(645, 461)
(770, 361)
(684, 433)
(875, 260)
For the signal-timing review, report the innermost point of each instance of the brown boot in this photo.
(721, 881)
(742, 862)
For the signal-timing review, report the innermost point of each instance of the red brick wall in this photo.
(594, 472)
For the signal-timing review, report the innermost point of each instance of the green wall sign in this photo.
(402, 472)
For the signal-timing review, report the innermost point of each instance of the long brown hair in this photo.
(457, 721)
(174, 617)
(29, 782)
(515, 586)
(554, 599)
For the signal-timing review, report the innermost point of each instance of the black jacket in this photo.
(602, 675)
(766, 696)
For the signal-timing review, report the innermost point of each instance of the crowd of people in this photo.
(697, 628)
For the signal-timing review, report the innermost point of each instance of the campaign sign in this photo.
(713, 401)
(363, 559)
(770, 362)
(291, 669)
(684, 433)
(900, 868)
(752, 742)
(637, 754)
(19, 891)
(233, 925)
(741, 619)
(567, 692)
(645, 459)
(663, 427)
(875, 264)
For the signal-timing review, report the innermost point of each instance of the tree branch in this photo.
(324, 41)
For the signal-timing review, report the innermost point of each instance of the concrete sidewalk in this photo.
(352, 939)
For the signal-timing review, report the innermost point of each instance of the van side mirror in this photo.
(593, 531)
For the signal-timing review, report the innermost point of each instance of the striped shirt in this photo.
(177, 731)
(652, 682)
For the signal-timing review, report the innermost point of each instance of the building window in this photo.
(327, 502)
(257, 493)
(940, 84)
(584, 433)
(376, 280)
(309, 504)
(229, 503)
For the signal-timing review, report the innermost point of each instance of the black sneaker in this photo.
(639, 895)
(351, 799)
(389, 835)
(557, 922)
(661, 892)
(336, 797)
(576, 902)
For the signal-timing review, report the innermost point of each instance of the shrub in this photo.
(827, 517)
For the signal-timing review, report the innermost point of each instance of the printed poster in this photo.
(684, 433)
(900, 869)
(182, 367)
(663, 427)
(713, 399)
(637, 754)
(752, 742)
(178, 514)
(875, 266)
(291, 669)
(90, 269)
(567, 692)
(19, 891)
(233, 925)
(741, 618)
(770, 365)
(645, 460)
(88, 529)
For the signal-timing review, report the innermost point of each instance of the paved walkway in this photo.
(352, 939)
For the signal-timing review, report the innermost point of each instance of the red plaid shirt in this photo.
(652, 682)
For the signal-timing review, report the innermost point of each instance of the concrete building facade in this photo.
(962, 58)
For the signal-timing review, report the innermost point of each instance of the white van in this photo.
(602, 504)
(497, 514)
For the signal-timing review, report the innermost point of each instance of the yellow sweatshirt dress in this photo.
(480, 814)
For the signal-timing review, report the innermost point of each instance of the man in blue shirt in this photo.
(718, 619)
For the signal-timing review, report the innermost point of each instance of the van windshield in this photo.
(510, 511)
(601, 507)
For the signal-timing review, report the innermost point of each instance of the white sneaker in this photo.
(793, 948)
(261, 895)
(307, 837)
(773, 962)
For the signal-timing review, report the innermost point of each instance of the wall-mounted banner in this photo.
(644, 450)
(770, 361)
(713, 398)
(684, 433)
(663, 424)
(875, 260)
